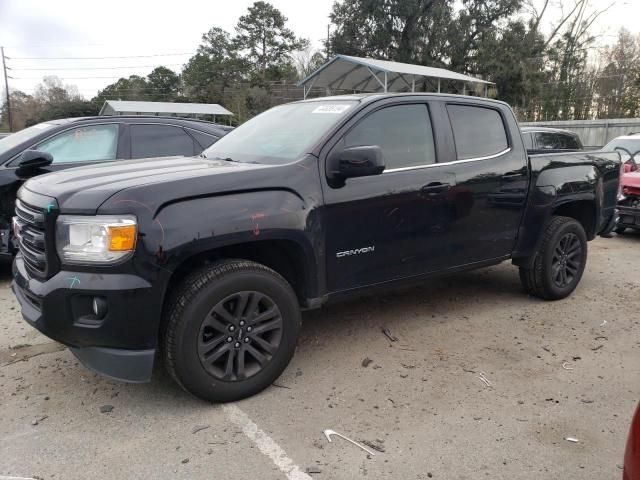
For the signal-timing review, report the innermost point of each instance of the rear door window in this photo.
(478, 131)
(91, 143)
(160, 141)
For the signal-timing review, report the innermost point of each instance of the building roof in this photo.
(344, 72)
(117, 107)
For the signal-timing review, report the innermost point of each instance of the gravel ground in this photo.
(555, 370)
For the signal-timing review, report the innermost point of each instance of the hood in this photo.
(84, 189)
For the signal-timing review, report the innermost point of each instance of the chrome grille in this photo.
(29, 227)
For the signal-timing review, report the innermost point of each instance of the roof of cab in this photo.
(368, 97)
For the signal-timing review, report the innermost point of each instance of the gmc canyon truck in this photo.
(207, 262)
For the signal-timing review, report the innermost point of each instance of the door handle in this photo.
(435, 188)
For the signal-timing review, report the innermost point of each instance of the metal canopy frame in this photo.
(382, 76)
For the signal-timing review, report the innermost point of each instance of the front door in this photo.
(388, 226)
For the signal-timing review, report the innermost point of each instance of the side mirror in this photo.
(351, 162)
(32, 160)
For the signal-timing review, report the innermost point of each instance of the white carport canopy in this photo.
(343, 72)
(124, 107)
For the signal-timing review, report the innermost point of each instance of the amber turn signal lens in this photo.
(122, 238)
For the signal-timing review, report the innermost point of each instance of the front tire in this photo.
(230, 330)
(620, 230)
(559, 262)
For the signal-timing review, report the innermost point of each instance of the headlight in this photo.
(98, 239)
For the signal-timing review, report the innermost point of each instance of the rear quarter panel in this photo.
(558, 179)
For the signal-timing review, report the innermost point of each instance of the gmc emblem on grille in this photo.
(356, 251)
(17, 228)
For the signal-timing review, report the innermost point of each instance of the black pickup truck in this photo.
(207, 262)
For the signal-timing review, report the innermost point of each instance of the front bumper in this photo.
(121, 344)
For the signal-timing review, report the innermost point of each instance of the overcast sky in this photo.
(124, 28)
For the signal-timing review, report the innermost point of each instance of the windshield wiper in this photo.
(226, 159)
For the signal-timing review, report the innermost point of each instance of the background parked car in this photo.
(629, 148)
(629, 206)
(550, 140)
(82, 141)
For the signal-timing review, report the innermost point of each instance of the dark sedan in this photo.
(75, 142)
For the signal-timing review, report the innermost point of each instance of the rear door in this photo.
(388, 226)
(491, 178)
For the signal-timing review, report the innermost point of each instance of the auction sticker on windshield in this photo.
(331, 109)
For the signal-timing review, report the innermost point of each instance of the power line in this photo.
(96, 68)
(102, 58)
(62, 78)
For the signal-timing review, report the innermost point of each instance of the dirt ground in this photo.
(554, 370)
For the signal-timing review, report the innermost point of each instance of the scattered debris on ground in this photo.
(376, 445)
(39, 419)
(328, 433)
(484, 379)
(389, 335)
(280, 386)
(198, 428)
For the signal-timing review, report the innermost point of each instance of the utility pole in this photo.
(327, 47)
(6, 86)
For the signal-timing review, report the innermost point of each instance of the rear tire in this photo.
(245, 302)
(559, 262)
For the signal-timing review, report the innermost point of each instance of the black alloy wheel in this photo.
(556, 267)
(239, 335)
(229, 329)
(567, 259)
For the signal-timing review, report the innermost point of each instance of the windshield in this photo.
(281, 134)
(15, 139)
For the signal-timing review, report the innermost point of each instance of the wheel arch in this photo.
(583, 211)
(581, 208)
(287, 257)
